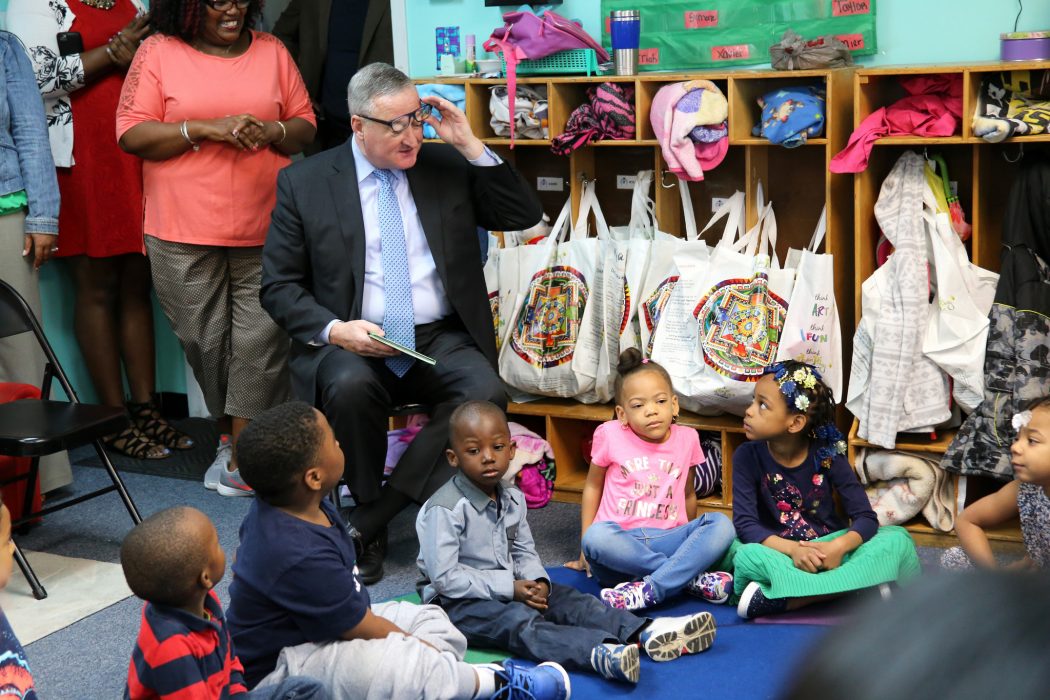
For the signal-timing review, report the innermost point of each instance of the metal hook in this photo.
(1020, 154)
(583, 178)
(663, 180)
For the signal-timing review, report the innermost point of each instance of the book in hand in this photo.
(402, 349)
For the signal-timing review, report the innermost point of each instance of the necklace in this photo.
(100, 4)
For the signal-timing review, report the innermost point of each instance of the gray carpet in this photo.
(90, 658)
(182, 464)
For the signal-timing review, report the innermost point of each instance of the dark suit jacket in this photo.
(314, 257)
(303, 27)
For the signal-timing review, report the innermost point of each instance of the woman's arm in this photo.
(154, 140)
(992, 510)
(29, 133)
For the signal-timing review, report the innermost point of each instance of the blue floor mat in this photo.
(747, 661)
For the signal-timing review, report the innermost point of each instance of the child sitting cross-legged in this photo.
(798, 549)
(172, 560)
(297, 605)
(479, 563)
(1026, 497)
(640, 531)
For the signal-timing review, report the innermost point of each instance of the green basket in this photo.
(565, 62)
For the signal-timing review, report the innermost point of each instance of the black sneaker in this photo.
(370, 560)
(753, 603)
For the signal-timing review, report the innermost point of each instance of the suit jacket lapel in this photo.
(347, 200)
(428, 206)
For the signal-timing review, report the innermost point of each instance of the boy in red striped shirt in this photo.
(172, 560)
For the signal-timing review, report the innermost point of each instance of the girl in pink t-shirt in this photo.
(640, 530)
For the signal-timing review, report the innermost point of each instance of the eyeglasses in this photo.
(223, 5)
(399, 124)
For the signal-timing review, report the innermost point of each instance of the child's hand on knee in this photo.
(579, 565)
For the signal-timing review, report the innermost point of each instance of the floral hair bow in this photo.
(1020, 420)
(796, 385)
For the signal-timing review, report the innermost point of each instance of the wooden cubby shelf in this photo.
(796, 181)
(983, 178)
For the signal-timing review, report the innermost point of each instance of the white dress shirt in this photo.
(429, 301)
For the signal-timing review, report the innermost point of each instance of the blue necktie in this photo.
(399, 319)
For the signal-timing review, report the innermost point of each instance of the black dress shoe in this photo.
(370, 561)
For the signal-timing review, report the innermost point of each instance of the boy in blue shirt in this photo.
(297, 605)
(479, 563)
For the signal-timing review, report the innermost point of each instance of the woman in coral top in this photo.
(215, 109)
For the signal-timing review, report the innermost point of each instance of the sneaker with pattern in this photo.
(667, 638)
(754, 603)
(712, 586)
(617, 662)
(631, 595)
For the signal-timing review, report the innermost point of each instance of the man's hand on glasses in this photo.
(453, 127)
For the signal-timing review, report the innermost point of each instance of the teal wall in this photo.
(909, 31)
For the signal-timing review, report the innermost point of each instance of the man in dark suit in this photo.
(329, 42)
(380, 235)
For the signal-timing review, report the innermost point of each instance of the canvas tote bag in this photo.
(545, 328)
(812, 333)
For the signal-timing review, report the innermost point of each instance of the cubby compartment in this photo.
(479, 97)
(975, 76)
(566, 96)
(745, 113)
(881, 87)
(548, 174)
(646, 93)
(796, 201)
(721, 182)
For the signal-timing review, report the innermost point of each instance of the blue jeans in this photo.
(290, 688)
(668, 559)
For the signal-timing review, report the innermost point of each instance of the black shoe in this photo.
(370, 561)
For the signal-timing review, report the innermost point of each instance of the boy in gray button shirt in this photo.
(479, 563)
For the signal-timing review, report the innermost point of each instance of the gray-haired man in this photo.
(380, 236)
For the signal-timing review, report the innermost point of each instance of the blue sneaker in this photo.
(616, 662)
(548, 681)
(667, 638)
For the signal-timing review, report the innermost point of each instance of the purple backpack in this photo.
(526, 36)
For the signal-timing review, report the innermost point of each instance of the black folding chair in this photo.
(37, 427)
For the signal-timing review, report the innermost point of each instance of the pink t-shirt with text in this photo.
(219, 195)
(644, 482)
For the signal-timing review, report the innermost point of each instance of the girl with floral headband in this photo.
(1026, 497)
(797, 549)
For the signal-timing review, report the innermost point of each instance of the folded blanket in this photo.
(900, 485)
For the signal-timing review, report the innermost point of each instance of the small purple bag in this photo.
(526, 36)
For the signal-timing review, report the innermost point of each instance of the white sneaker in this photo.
(222, 460)
(667, 638)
